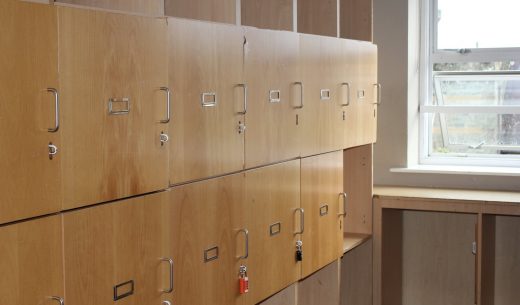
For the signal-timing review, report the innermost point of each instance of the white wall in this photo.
(395, 25)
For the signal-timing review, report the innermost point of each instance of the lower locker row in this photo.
(185, 245)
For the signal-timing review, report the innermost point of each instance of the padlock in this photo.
(243, 280)
(299, 251)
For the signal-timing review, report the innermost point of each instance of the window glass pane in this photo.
(475, 134)
(478, 24)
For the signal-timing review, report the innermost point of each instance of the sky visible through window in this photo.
(465, 24)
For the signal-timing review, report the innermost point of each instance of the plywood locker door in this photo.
(274, 97)
(30, 184)
(31, 262)
(114, 253)
(322, 199)
(351, 105)
(113, 73)
(368, 93)
(210, 240)
(272, 202)
(209, 101)
(322, 112)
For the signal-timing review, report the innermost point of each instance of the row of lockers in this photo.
(100, 106)
(185, 245)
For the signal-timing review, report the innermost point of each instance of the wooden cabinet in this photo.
(323, 201)
(112, 69)
(31, 181)
(269, 14)
(145, 7)
(321, 287)
(210, 240)
(362, 91)
(272, 202)
(31, 262)
(114, 252)
(274, 97)
(322, 117)
(356, 276)
(209, 101)
(319, 17)
(356, 19)
(358, 181)
(210, 10)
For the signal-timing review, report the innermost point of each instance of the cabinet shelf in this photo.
(353, 240)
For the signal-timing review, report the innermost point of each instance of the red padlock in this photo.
(243, 280)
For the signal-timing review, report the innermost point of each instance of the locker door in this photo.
(272, 200)
(323, 202)
(272, 73)
(114, 253)
(30, 183)
(322, 112)
(210, 240)
(113, 73)
(205, 66)
(31, 262)
(368, 84)
(352, 131)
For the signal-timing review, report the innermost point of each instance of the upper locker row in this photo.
(131, 105)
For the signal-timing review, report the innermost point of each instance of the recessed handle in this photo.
(301, 95)
(208, 99)
(125, 110)
(274, 96)
(57, 299)
(378, 99)
(168, 104)
(325, 94)
(302, 220)
(56, 110)
(344, 195)
(324, 210)
(275, 229)
(211, 254)
(348, 94)
(170, 269)
(244, 87)
(246, 243)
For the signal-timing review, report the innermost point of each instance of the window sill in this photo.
(459, 170)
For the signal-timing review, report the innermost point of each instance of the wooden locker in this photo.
(321, 287)
(368, 93)
(31, 262)
(268, 14)
(113, 72)
(321, 117)
(272, 202)
(319, 17)
(209, 101)
(209, 10)
(210, 240)
(144, 7)
(30, 184)
(114, 252)
(272, 72)
(322, 199)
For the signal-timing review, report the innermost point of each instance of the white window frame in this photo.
(431, 54)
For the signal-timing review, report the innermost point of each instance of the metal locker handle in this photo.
(58, 299)
(168, 104)
(301, 95)
(170, 262)
(379, 87)
(246, 245)
(344, 195)
(302, 220)
(244, 87)
(348, 94)
(56, 110)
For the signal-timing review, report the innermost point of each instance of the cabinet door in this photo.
(30, 184)
(322, 112)
(205, 75)
(112, 68)
(207, 218)
(210, 10)
(31, 262)
(323, 287)
(114, 253)
(322, 200)
(272, 200)
(271, 69)
(148, 7)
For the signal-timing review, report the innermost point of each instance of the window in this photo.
(470, 83)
